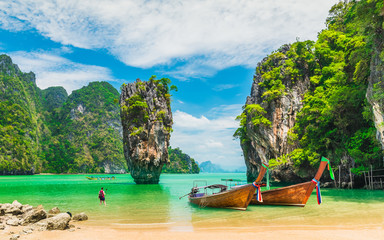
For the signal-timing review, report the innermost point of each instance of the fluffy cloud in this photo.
(205, 36)
(207, 139)
(53, 70)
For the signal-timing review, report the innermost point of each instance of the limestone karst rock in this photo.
(265, 142)
(375, 88)
(146, 118)
(323, 98)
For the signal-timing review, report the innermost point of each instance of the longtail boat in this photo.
(295, 195)
(101, 178)
(238, 197)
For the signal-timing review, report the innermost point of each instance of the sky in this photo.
(208, 48)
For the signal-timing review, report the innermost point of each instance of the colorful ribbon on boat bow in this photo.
(258, 192)
(318, 194)
(323, 159)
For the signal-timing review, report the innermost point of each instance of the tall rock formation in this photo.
(309, 100)
(375, 91)
(263, 141)
(146, 118)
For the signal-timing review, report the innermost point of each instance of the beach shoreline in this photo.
(86, 231)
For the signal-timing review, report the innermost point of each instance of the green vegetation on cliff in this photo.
(336, 119)
(180, 162)
(47, 131)
(20, 125)
(88, 138)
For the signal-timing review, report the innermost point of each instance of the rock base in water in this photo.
(146, 118)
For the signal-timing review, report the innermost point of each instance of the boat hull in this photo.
(236, 198)
(295, 195)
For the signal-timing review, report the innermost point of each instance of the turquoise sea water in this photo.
(158, 206)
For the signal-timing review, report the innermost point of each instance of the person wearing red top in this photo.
(102, 197)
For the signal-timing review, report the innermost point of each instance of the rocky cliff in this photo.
(375, 91)
(89, 130)
(146, 118)
(47, 131)
(322, 98)
(263, 141)
(20, 122)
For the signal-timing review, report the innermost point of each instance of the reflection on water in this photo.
(158, 206)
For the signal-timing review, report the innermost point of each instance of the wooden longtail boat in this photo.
(295, 195)
(238, 197)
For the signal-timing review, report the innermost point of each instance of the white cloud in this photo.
(205, 35)
(51, 69)
(207, 139)
(222, 87)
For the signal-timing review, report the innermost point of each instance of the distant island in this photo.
(209, 167)
(180, 162)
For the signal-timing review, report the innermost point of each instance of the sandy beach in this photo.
(85, 231)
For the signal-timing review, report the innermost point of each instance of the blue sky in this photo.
(209, 49)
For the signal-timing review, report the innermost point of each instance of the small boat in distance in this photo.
(238, 197)
(101, 178)
(295, 195)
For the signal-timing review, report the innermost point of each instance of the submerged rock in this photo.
(147, 123)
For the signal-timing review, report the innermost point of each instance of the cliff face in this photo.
(47, 131)
(20, 123)
(375, 91)
(266, 142)
(90, 127)
(322, 98)
(146, 118)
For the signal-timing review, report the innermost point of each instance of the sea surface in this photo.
(158, 206)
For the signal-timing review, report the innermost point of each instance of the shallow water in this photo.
(158, 206)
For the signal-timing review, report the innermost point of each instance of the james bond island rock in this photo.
(310, 99)
(146, 118)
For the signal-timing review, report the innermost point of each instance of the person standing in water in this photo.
(102, 197)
